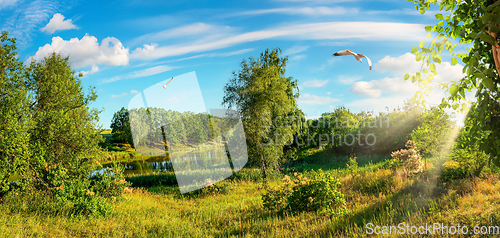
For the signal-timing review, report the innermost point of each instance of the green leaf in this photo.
(432, 67)
(421, 44)
(488, 82)
(495, 29)
(413, 79)
(487, 38)
(439, 16)
(447, 18)
(414, 49)
(453, 61)
(453, 90)
(425, 71)
(430, 77)
(421, 10)
(429, 35)
(407, 76)
(455, 106)
(437, 59)
(428, 28)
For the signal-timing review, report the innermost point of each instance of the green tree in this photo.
(64, 128)
(266, 100)
(431, 136)
(120, 126)
(475, 23)
(14, 140)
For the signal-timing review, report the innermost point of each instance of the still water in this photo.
(191, 160)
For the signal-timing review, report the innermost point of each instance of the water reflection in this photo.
(191, 160)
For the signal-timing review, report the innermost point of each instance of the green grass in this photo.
(374, 194)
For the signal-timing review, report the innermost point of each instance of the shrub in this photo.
(320, 193)
(407, 159)
(110, 183)
(464, 163)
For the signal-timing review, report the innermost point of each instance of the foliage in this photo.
(63, 127)
(320, 192)
(14, 142)
(474, 23)
(266, 100)
(407, 159)
(120, 126)
(430, 137)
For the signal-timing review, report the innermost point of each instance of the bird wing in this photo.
(159, 84)
(344, 52)
(367, 59)
(169, 81)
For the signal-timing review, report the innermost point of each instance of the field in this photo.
(374, 195)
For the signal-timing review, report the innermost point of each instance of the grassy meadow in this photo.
(374, 194)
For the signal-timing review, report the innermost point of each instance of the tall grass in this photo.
(374, 195)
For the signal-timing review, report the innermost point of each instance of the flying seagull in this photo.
(357, 56)
(165, 86)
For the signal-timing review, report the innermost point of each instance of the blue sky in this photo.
(124, 47)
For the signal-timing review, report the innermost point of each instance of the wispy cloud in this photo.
(316, 100)
(347, 79)
(141, 73)
(28, 17)
(295, 49)
(119, 95)
(134, 91)
(182, 32)
(7, 3)
(309, 11)
(316, 83)
(314, 31)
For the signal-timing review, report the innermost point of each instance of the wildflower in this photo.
(310, 199)
(17, 193)
(286, 178)
(303, 183)
(295, 174)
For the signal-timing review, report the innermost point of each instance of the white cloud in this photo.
(365, 89)
(316, 100)
(295, 49)
(93, 70)
(309, 11)
(315, 31)
(401, 90)
(134, 91)
(119, 95)
(328, 93)
(401, 65)
(374, 88)
(87, 51)
(7, 3)
(315, 83)
(58, 23)
(346, 79)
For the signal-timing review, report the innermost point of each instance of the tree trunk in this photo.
(263, 167)
(496, 50)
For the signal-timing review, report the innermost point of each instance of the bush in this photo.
(320, 193)
(408, 160)
(464, 163)
(74, 196)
